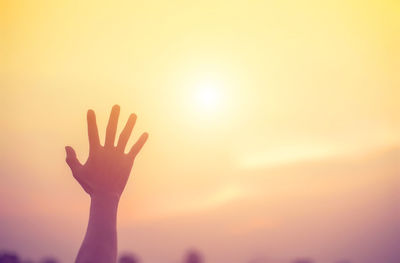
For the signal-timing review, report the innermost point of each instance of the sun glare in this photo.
(208, 96)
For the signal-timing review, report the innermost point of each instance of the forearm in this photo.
(103, 177)
(100, 242)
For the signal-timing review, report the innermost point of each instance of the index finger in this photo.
(93, 133)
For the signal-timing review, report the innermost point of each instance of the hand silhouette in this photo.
(103, 177)
(107, 168)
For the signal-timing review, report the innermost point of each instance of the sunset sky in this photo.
(261, 115)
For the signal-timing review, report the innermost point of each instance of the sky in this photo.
(261, 114)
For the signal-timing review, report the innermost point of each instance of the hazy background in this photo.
(300, 155)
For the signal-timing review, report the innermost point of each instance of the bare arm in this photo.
(103, 177)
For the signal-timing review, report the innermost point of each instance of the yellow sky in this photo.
(296, 81)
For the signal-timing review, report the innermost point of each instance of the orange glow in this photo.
(266, 119)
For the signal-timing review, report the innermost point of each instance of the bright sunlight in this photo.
(208, 97)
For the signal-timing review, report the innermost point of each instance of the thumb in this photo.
(71, 159)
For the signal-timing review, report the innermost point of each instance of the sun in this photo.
(208, 96)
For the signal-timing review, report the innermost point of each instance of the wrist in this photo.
(103, 212)
(105, 199)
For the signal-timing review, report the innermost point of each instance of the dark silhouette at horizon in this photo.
(128, 258)
(303, 260)
(193, 256)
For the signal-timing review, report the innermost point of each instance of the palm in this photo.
(107, 168)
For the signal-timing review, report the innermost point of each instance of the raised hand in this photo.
(107, 168)
(103, 177)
